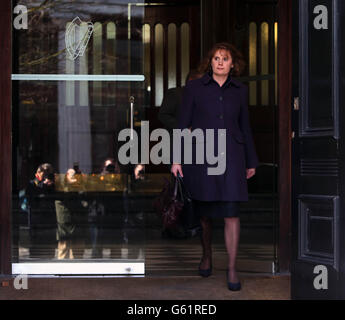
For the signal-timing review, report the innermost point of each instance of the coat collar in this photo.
(207, 78)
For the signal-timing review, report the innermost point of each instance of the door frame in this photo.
(5, 137)
(285, 132)
(285, 102)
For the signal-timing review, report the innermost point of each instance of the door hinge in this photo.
(296, 103)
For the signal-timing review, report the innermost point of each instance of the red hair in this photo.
(236, 55)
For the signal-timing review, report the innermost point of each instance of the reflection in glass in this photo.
(83, 69)
(159, 64)
(97, 62)
(111, 30)
(89, 210)
(171, 55)
(70, 85)
(147, 58)
(276, 60)
(252, 62)
(264, 63)
(185, 56)
(111, 60)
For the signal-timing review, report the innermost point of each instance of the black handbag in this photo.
(188, 217)
(167, 205)
(175, 206)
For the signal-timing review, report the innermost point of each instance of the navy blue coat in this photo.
(206, 105)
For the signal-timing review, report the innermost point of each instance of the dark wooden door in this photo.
(318, 150)
(170, 24)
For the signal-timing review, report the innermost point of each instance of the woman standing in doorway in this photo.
(217, 101)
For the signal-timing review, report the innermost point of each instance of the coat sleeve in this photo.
(251, 156)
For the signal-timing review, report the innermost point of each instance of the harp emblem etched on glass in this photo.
(77, 37)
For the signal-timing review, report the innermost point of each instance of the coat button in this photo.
(221, 98)
(221, 117)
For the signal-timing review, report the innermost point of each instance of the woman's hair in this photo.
(236, 55)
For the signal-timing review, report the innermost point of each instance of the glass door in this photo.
(77, 84)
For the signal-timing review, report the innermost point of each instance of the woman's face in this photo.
(221, 63)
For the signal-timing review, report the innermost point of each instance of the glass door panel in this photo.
(77, 82)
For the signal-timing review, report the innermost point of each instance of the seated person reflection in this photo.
(70, 176)
(110, 166)
(76, 168)
(139, 172)
(43, 181)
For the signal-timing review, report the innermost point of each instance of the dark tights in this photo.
(206, 242)
(231, 237)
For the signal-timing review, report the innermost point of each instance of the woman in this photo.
(217, 101)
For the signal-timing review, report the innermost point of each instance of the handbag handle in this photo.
(178, 187)
(175, 188)
(182, 184)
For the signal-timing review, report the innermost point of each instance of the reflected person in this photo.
(103, 208)
(70, 210)
(40, 205)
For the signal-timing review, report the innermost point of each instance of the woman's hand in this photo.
(250, 173)
(175, 169)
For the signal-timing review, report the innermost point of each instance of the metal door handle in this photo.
(296, 103)
(131, 101)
